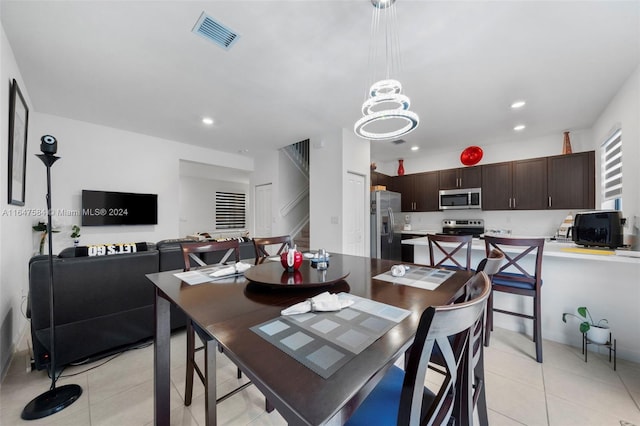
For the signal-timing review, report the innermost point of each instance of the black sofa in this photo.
(103, 304)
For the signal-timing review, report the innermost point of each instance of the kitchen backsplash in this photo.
(520, 223)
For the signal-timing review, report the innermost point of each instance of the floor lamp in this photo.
(56, 398)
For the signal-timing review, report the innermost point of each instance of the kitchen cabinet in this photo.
(463, 177)
(515, 185)
(419, 191)
(571, 181)
(378, 178)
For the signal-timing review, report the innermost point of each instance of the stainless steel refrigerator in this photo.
(386, 225)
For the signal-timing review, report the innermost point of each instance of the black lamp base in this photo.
(51, 402)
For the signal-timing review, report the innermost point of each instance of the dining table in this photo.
(229, 310)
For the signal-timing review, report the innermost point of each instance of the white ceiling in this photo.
(300, 67)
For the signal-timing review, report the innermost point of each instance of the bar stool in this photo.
(445, 254)
(518, 277)
(260, 245)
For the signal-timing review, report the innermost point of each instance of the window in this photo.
(230, 210)
(611, 168)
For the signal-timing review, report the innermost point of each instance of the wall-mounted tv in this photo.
(118, 208)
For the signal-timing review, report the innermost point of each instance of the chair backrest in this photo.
(515, 250)
(449, 327)
(261, 244)
(491, 264)
(444, 254)
(190, 251)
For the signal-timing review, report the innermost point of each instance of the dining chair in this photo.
(401, 397)
(195, 254)
(443, 255)
(521, 274)
(476, 397)
(262, 243)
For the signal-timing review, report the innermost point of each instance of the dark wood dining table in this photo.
(226, 310)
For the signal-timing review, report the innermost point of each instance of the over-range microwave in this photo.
(459, 199)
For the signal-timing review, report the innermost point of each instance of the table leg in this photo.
(162, 361)
(210, 386)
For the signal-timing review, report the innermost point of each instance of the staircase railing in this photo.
(299, 154)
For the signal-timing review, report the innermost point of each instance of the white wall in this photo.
(104, 158)
(333, 155)
(15, 231)
(624, 111)
(356, 153)
(325, 191)
(198, 203)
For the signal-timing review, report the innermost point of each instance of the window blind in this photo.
(230, 210)
(611, 166)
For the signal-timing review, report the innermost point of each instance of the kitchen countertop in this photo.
(555, 249)
(419, 231)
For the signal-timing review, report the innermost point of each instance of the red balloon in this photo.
(471, 155)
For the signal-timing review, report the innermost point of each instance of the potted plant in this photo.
(596, 332)
(75, 234)
(42, 227)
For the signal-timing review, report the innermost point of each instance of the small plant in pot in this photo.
(597, 332)
(75, 234)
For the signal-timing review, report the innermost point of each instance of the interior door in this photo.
(264, 215)
(355, 212)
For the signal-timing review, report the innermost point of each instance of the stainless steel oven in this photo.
(460, 199)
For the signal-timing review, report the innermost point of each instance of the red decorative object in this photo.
(400, 167)
(471, 155)
(291, 260)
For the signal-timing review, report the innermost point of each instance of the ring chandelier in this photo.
(385, 100)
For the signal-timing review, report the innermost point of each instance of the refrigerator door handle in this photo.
(392, 224)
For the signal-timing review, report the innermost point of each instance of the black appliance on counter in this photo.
(473, 227)
(598, 228)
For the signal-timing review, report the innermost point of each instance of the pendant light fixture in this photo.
(385, 110)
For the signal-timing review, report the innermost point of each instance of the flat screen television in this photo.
(101, 208)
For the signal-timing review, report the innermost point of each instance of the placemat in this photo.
(325, 341)
(421, 276)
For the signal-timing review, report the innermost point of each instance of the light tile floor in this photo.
(561, 392)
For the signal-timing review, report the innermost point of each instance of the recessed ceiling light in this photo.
(415, 148)
(519, 127)
(518, 104)
(208, 121)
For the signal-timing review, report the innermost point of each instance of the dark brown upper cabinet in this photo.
(571, 183)
(419, 191)
(515, 185)
(462, 177)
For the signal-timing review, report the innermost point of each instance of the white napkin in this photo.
(238, 268)
(323, 302)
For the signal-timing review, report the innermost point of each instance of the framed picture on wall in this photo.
(18, 126)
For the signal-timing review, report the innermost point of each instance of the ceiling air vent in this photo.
(214, 31)
(398, 142)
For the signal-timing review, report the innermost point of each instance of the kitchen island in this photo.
(607, 282)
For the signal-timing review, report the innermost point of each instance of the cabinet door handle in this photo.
(509, 202)
(514, 202)
(549, 200)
